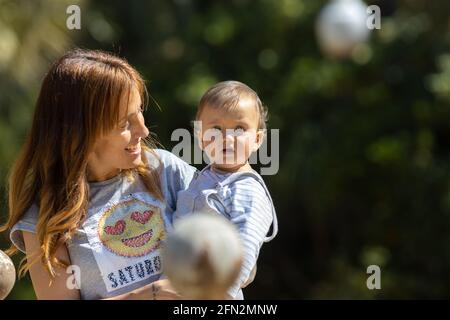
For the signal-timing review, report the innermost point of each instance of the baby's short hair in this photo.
(226, 94)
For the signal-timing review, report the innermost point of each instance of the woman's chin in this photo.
(136, 162)
(134, 158)
(132, 164)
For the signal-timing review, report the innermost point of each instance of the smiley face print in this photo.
(132, 228)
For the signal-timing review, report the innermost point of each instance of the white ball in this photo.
(341, 26)
(7, 275)
(202, 256)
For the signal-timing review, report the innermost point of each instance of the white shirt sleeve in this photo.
(250, 210)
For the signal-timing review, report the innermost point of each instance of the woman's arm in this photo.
(157, 290)
(57, 289)
(45, 287)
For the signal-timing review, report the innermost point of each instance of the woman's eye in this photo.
(239, 130)
(125, 125)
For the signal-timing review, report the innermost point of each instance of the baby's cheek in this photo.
(214, 144)
(209, 148)
(249, 143)
(245, 142)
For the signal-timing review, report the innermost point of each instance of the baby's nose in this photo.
(229, 134)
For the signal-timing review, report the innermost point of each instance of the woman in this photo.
(88, 200)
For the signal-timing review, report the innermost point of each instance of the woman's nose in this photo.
(142, 131)
(146, 132)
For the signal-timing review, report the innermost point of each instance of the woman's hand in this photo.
(157, 290)
(163, 290)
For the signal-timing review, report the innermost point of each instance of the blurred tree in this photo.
(32, 34)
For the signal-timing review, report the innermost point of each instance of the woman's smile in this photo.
(134, 150)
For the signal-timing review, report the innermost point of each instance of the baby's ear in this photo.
(259, 139)
(198, 136)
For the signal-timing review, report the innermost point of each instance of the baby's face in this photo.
(230, 137)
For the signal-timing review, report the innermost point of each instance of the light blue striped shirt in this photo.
(243, 198)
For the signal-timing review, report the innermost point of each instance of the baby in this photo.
(232, 120)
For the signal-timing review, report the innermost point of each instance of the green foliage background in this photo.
(364, 143)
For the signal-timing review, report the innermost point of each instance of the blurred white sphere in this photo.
(341, 26)
(202, 257)
(7, 275)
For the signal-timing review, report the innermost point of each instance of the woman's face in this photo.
(120, 148)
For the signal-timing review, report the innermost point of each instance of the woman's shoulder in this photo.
(164, 158)
(167, 156)
(31, 214)
(158, 156)
(27, 223)
(175, 173)
(170, 166)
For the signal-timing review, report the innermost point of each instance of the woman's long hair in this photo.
(79, 102)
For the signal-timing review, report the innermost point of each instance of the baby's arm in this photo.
(250, 210)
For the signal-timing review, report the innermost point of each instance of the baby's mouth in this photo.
(228, 151)
(138, 241)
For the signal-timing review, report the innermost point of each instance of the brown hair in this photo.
(227, 94)
(79, 101)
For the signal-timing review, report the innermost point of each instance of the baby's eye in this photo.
(239, 130)
(212, 133)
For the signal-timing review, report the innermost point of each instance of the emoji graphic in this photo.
(132, 228)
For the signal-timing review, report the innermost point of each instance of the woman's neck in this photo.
(93, 176)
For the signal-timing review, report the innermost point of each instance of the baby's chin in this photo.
(227, 162)
(228, 167)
